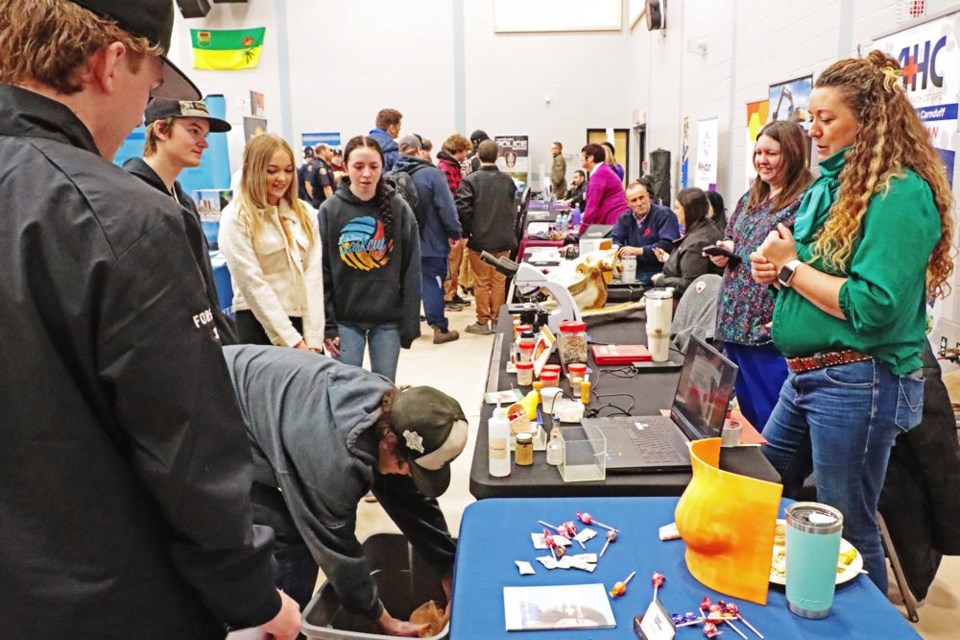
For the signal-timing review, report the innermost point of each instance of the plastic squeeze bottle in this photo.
(498, 436)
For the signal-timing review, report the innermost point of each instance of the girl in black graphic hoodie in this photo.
(371, 264)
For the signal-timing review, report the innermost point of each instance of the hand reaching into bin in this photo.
(394, 627)
(286, 624)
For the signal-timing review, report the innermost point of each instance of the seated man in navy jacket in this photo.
(643, 228)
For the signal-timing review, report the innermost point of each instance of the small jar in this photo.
(555, 368)
(577, 371)
(525, 346)
(524, 373)
(523, 452)
(555, 448)
(573, 341)
(521, 329)
(550, 378)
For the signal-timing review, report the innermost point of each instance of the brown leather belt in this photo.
(825, 359)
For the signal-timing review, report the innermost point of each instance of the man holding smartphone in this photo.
(644, 229)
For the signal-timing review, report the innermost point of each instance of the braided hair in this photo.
(384, 194)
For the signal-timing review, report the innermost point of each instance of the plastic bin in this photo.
(405, 581)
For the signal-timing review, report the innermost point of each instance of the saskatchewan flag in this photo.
(226, 49)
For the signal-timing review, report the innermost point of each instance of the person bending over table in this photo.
(685, 262)
(645, 227)
(323, 434)
(745, 308)
(872, 240)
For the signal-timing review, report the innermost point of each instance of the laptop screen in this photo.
(704, 391)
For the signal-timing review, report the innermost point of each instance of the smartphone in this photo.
(716, 250)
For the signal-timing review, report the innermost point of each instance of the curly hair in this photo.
(890, 138)
(50, 41)
(384, 193)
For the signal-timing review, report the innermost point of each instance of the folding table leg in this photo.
(908, 600)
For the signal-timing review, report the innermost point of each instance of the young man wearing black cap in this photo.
(124, 476)
(323, 433)
(175, 139)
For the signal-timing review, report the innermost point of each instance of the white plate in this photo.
(847, 574)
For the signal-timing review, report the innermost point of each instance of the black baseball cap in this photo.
(153, 20)
(432, 431)
(160, 108)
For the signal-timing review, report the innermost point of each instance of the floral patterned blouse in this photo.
(745, 307)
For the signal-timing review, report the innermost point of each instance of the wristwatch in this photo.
(787, 272)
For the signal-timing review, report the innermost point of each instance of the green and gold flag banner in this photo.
(226, 49)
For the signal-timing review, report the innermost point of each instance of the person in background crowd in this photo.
(605, 196)
(578, 186)
(558, 171)
(487, 205)
(643, 229)
(304, 173)
(175, 137)
(324, 433)
(336, 165)
(476, 138)
(426, 149)
(718, 210)
(854, 277)
(685, 262)
(450, 161)
(386, 133)
(269, 238)
(610, 157)
(745, 308)
(439, 230)
(371, 264)
(125, 493)
(321, 180)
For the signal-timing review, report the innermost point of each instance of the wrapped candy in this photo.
(710, 630)
(550, 542)
(587, 519)
(657, 580)
(620, 588)
(561, 551)
(611, 537)
(732, 610)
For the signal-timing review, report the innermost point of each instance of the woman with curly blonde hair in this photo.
(271, 242)
(871, 242)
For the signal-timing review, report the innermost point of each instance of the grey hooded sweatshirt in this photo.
(310, 420)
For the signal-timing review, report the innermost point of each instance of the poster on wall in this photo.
(790, 101)
(514, 158)
(707, 133)
(253, 126)
(329, 138)
(210, 202)
(756, 117)
(685, 154)
(258, 105)
(930, 58)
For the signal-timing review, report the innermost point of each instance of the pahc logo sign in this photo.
(921, 60)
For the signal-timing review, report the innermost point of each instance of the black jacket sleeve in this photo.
(465, 206)
(175, 407)
(330, 309)
(418, 517)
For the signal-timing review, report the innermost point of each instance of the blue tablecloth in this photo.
(223, 282)
(496, 532)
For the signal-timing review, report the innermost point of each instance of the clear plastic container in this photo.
(573, 341)
(550, 378)
(584, 454)
(524, 373)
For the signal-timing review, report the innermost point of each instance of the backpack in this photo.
(402, 182)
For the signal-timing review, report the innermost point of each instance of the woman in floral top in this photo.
(745, 308)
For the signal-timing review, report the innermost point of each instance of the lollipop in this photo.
(611, 537)
(657, 580)
(733, 610)
(550, 542)
(710, 630)
(620, 588)
(586, 518)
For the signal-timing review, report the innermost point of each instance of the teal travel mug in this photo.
(813, 546)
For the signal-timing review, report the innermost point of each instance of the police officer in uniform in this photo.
(124, 471)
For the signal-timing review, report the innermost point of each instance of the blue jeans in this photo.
(840, 422)
(762, 372)
(384, 341)
(433, 271)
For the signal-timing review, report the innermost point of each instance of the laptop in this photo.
(650, 444)
(597, 232)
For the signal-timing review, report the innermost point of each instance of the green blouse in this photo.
(884, 296)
